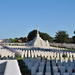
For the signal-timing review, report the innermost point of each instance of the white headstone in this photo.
(70, 70)
(33, 70)
(41, 68)
(48, 69)
(48, 73)
(56, 73)
(66, 74)
(73, 73)
(39, 73)
(62, 70)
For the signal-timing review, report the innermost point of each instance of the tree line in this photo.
(60, 37)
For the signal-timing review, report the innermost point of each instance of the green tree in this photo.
(61, 37)
(73, 37)
(44, 36)
(12, 40)
(16, 39)
(31, 35)
(21, 38)
(74, 32)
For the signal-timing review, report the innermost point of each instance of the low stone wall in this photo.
(65, 45)
(13, 44)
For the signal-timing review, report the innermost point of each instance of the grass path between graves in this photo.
(64, 48)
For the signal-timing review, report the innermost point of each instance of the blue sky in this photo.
(19, 17)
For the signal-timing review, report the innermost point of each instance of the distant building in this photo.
(5, 41)
(1, 41)
(19, 40)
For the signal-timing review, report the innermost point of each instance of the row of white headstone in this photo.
(36, 53)
(58, 66)
(41, 67)
(6, 53)
(46, 54)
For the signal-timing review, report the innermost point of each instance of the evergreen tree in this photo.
(61, 37)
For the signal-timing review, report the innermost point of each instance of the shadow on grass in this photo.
(23, 68)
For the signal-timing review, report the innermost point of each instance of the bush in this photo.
(64, 56)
